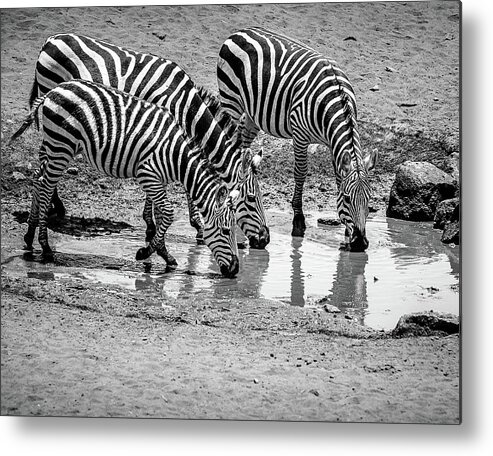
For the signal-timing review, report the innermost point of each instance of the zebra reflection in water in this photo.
(349, 287)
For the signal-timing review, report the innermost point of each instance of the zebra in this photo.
(289, 90)
(124, 136)
(70, 56)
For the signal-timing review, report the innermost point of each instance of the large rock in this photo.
(451, 230)
(452, 167)
(417, 190)
(445, 212)
(426, 324)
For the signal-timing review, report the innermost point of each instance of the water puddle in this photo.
(406, 269)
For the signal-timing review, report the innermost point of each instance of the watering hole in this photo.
(405, 269)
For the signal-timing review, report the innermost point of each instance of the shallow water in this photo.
(406, 269)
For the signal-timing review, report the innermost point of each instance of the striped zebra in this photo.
(289, 90)
(163, 82)
(127, 137)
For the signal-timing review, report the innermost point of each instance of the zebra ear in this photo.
(345, 163)
(371, 160)
(232, 198)
(246, 160)
(221, 195)
(257, 159)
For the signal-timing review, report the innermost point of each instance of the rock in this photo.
(449, 221)
(444, 212)
(452, 167)
(329, 221)
(331, 309)
(417, 190)
(451, 233)
(375, 88)
(17, 176)
(426, 324)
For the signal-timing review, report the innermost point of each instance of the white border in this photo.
(53, 436)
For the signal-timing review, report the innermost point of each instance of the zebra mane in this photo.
(224, 120)
(350, 115)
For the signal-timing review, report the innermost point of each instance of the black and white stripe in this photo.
(163, 82)
(126, 137)
(289, 90)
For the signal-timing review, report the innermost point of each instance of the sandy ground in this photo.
(98, 351)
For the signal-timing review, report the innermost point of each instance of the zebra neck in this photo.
(201, 184)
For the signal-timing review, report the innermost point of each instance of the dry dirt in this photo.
(91, 350)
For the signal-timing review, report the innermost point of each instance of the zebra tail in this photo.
(34, 93)
(30, 118)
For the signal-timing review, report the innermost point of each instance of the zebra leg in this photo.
(300, 172)
(195, 221)
(165, 221)
(33, 219)
(156, 192)
(148, 219)
(57, 206)
(48, 180)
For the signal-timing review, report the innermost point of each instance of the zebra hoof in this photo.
(298, 232)
(170, 259)
(142, 254)
(56, 212)
(48, 256)
(299, 226)
(29, 242)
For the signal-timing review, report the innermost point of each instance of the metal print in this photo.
(237, 212)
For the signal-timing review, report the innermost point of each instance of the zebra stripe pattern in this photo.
(126, 137)
(163, 82)
(289, 90)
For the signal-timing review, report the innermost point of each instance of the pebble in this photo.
(332, 309)
(18, 176)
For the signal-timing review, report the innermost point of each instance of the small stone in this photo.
(314, 392)
(328, 221)
(72, 171)
(375, 88)
(18, 176)
(255, 380)
(331, 309)
(390, 69)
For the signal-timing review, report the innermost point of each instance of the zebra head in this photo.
(353, 198)
(250, 209)
(219, 231)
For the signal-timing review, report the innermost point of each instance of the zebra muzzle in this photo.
(260, 241)
(358, 242)
(231, 270)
